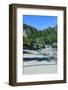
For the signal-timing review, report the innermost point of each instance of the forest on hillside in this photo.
(36, 39)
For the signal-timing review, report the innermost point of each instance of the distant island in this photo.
(37, 39)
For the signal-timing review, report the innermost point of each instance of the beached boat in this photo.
(33, 55)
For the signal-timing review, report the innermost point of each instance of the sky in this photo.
(40, 22)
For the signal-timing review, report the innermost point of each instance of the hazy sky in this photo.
(40, 22)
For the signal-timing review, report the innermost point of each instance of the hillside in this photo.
(35, 39)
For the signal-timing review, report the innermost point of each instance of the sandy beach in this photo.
(40, 67)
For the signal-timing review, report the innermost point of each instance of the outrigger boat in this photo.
(34, 55)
